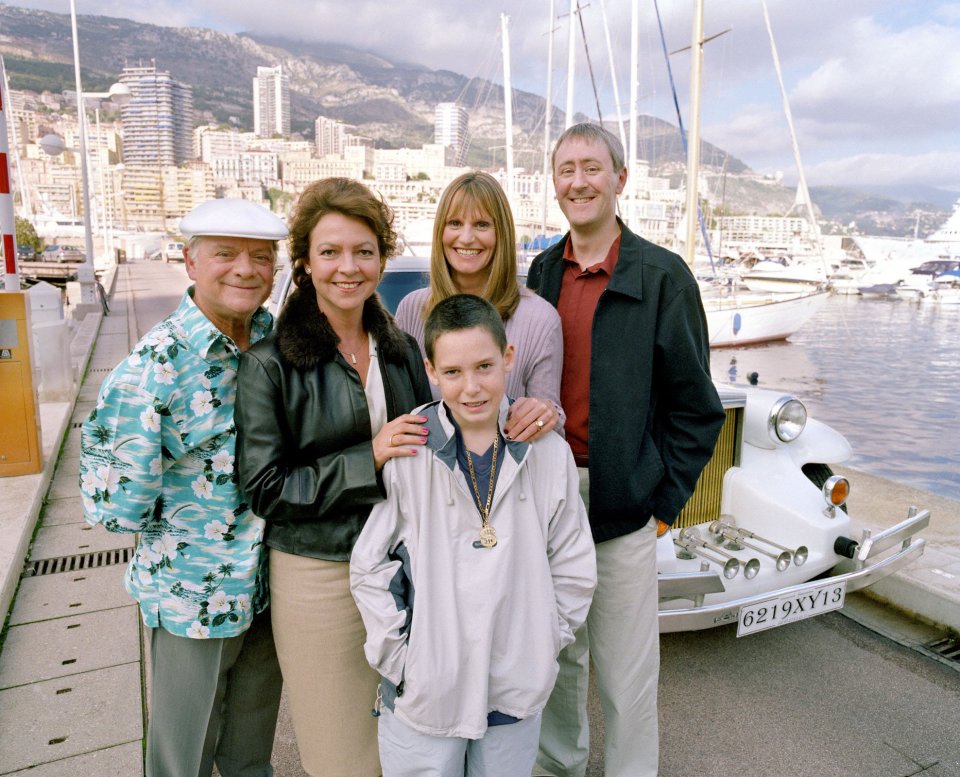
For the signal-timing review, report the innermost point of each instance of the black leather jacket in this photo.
(304, 448)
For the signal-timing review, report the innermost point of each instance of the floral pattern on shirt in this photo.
(158, 458)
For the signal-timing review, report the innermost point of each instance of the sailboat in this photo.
(748, 318)
(735, 317)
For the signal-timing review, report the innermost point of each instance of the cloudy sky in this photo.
(872, 84)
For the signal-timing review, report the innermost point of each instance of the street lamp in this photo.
(85, 272)
(54, 145)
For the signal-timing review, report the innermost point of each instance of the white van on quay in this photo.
(766, 539)
(172, 251)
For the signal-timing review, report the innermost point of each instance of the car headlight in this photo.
(788, 416)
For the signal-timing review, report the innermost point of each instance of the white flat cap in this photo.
(233, 217)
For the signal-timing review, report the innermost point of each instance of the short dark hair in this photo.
(348, 198)
(592, 132)
(463, 311)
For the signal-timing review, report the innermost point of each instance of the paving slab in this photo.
(82, 409)
(68, 466)
(120, 761)
(89, 392)
(65, 484)
(57, 512)
(56, 719)
(930, 587)
(40, 651)
(930, 590)
(19, 507)
(72, 439)
(75, 539)
(69, 593)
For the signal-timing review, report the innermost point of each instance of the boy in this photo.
(491, 538)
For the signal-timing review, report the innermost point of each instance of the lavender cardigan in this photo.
(533, 330)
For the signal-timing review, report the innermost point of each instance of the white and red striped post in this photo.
(8, 224)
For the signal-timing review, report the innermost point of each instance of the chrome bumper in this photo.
(864, 569)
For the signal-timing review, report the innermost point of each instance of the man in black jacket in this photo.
(642, 422)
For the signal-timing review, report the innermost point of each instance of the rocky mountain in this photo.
(391, 102)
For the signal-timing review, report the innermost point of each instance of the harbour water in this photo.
(884, 373)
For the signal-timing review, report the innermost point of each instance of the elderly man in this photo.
(642, 420)
(157, 458)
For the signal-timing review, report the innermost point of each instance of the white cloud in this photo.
(888, 80)
(932, 169)
(864, 77)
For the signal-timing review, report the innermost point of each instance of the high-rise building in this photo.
(271, 102)
(157, 122)
(452, 129)
(330, 135)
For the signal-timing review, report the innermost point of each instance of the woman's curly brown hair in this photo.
(349, 198)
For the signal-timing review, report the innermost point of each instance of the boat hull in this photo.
(745, 320)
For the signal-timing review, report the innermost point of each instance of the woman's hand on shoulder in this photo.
(399, 437)
(529, 418)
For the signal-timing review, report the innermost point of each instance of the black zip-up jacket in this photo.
(304, 448)
(654, 411)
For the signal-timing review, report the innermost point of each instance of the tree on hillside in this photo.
(27, 235)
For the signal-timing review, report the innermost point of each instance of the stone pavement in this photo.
(71, 667)
(72, 663)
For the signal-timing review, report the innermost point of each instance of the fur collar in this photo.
(306, 339)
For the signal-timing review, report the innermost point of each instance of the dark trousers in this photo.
(213, 701)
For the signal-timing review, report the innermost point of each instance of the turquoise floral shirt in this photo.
(157, 458)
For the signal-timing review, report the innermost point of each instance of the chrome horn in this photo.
(691, 541)
(735, 541)
(735, 534)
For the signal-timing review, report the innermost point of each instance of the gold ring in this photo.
(539, 423)
(392, 443)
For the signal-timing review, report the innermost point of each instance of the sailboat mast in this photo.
(547, 171)
(634, 110)
(801, 178)
(693, 132)
(507, 103)
(571, 61)
(613, 72)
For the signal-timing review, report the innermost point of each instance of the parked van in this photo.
(173, 251)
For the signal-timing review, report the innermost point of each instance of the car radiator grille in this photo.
(704, 505)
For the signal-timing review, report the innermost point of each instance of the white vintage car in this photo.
(765, 539)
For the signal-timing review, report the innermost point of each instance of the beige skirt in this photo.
(319, 636)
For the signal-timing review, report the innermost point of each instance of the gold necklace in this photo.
(351, 354)
(488, 535)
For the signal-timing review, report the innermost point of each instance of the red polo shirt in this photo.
(580, 291)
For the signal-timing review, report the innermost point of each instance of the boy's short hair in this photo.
(463, 311)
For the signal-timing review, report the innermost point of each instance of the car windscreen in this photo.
(394, 286)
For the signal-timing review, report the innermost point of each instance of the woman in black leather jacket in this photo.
(322, 404)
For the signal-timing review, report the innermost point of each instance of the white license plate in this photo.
(814, 599)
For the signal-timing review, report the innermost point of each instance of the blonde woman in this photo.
(474, 252)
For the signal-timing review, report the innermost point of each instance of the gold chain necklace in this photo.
(352, 354)
(488, 535)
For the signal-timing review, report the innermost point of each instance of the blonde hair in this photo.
(472, 192)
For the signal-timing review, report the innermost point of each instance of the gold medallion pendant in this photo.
(488, 536)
